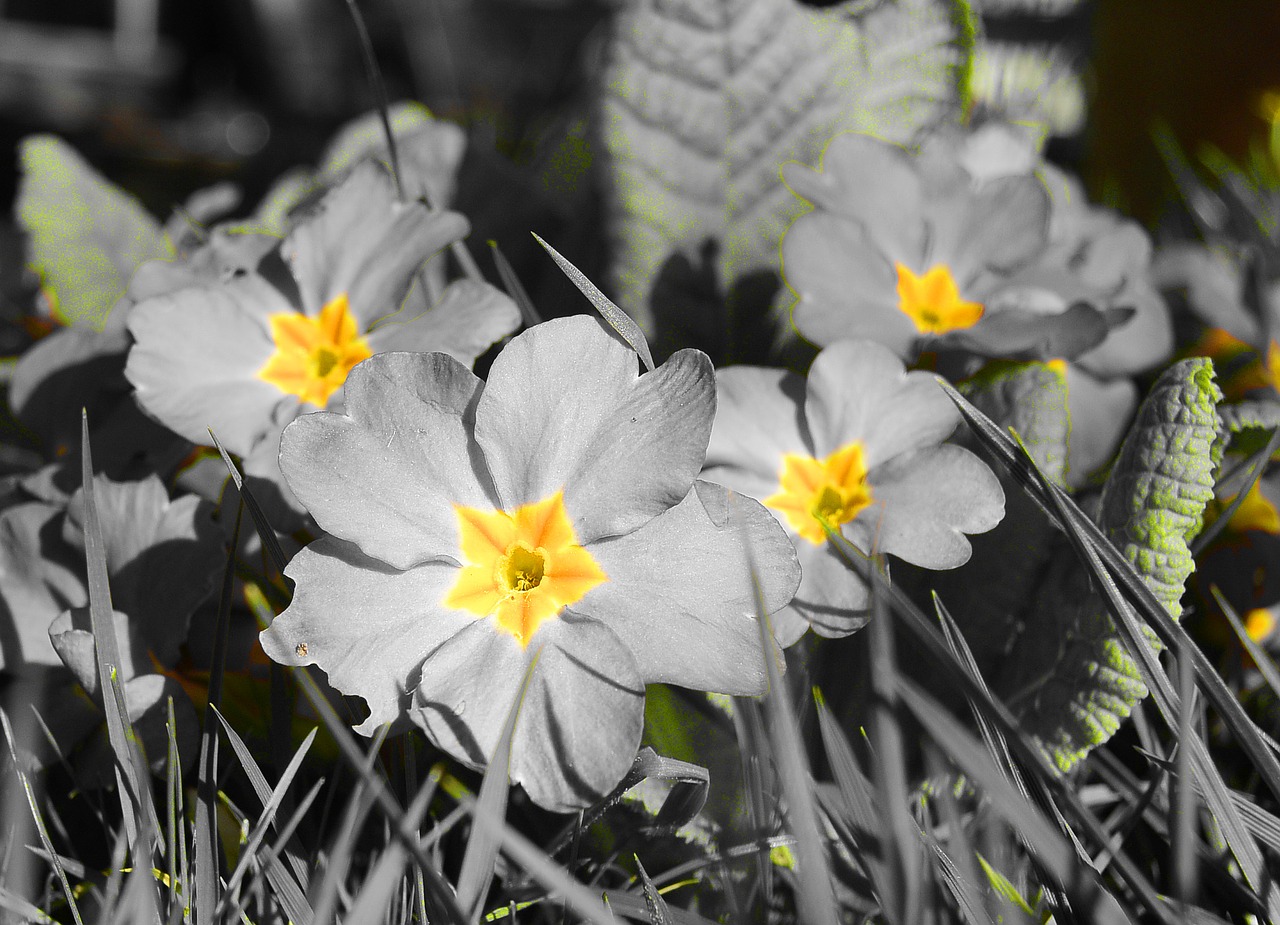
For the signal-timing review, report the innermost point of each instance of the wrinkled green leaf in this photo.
(705, 99)
(87, 235)
(1074, 682)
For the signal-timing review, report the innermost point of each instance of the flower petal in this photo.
(871, 181)
(927, 502)
(858, 390)
(565, 408)
(844, 286)
(999, 226)
(196, 357)
(363, 242)
(469, 318)
(580, 722)
(387, 474)
(370, 627)
(679, 593)
(1100, 412)
(759, 418)
(831, 598)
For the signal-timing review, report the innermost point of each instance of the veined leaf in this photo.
(1080, 682)
(705, 99)
(87, 235)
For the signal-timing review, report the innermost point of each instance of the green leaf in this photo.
(1075, 680)
(87, 236)
(705, 99)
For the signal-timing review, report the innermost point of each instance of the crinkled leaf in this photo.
(1076, 682)
(1262, 413)
(87, 235)
(705, 99)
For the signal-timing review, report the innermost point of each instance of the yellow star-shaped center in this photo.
(522, 568)
(314, 355)
(933, 302)
(834, 490)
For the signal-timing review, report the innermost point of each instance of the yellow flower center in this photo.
(314, 355)
(933, 302)
(834, 490)
(521, 568)
(1259, 623)
(1272, 371)
(1255, 512)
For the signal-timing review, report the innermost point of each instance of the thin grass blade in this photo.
(482, 848)
(815, 898)
(515, 289)
(441, 893)
(266, 533)
(38, 818)
(134, 801)
(371, 903)
(263, 790)
(617, 319)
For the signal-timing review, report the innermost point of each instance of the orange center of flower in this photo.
(1273, 365)
(933, 302)
(833, 490)
(1259, 623)
(314, 355)
(521, 568)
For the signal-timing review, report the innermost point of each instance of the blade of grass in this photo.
(482, 848)
(617, 319)
(358, 808)
(135, 800)
(266, 533)
(855, 791)
(267, 819)
(1183, 824)
(263, 790)
(515, 289)
(656, 906)
(931, 642)
(207, 884)
(374, 897)
(38, 818)
(441, 893)
(889, 767)
(815, 898)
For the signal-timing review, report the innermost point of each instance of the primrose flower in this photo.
(904, 249)
(859, 446)
(246, 353)
(552, 512)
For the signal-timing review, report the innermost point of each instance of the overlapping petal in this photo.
(858, 390)
(369, 625)
(928, 501)
(580, 721)
(470, 317)
(844, 286)
(680, 588)
(363, 242)
(623, 447)
(408, 422)
(759, 417)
